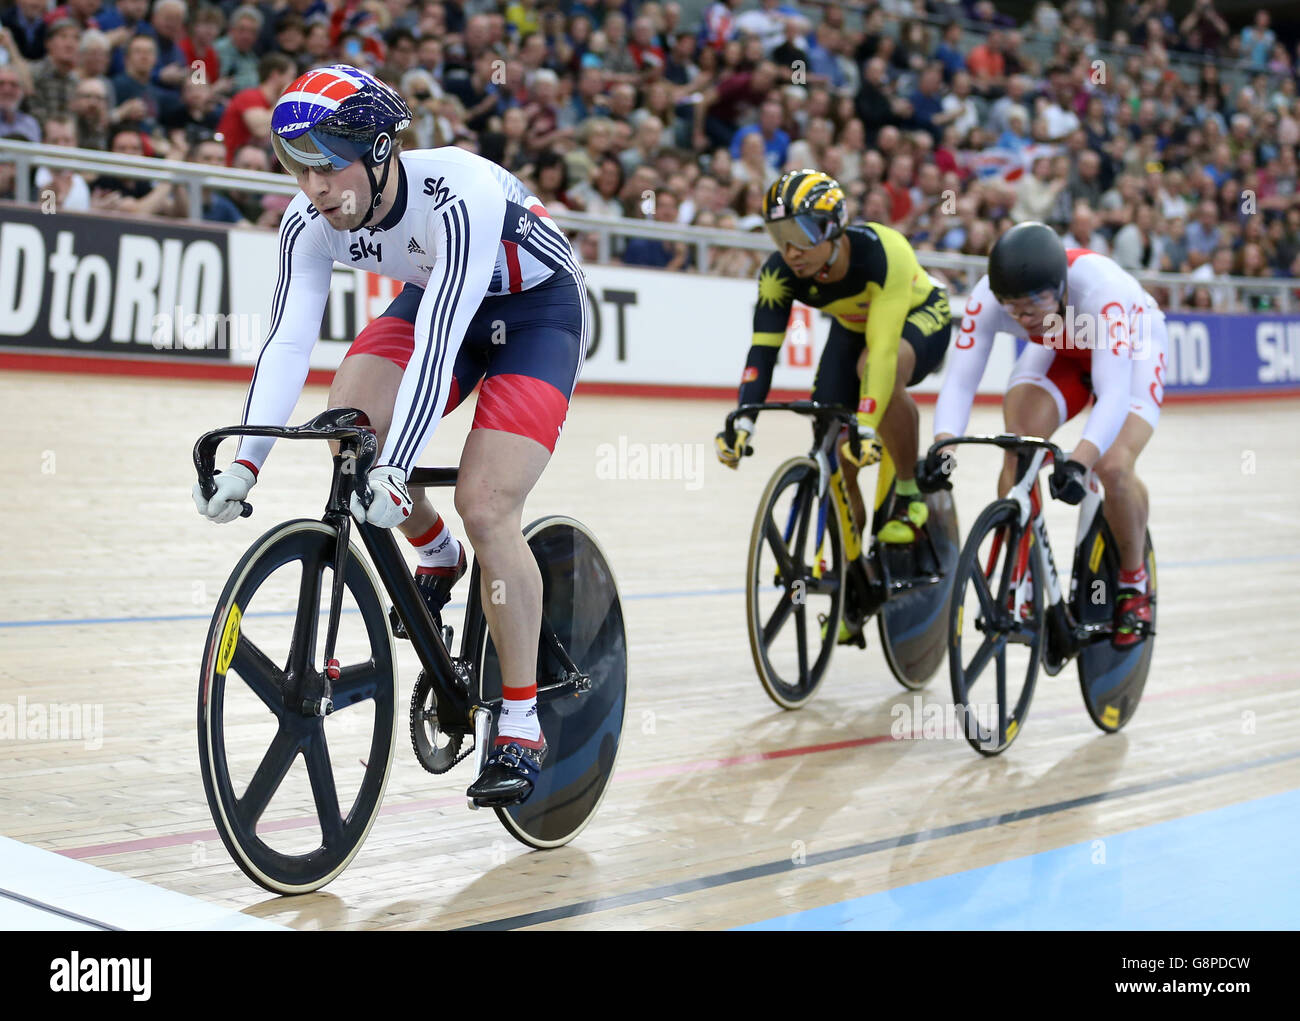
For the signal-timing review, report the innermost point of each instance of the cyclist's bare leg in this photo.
(1027, 410)
(900, 430)
(1127, 503)
(497, 472)
(901, 426)
(856, 503)
(370, 383)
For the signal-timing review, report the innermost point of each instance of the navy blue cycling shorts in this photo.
(526, 348)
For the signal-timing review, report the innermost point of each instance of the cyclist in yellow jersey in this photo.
(891, 329)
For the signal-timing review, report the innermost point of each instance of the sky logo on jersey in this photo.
(440, 192)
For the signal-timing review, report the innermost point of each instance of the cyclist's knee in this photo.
(906, 366)
(1030, 411)
(1116, 471)
(487, 513)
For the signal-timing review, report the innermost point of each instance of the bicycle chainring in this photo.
(436, 751)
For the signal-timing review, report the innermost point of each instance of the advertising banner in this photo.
(76, 284)
(86, 285)
(1232, 354)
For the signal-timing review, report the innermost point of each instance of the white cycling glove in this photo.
(233, 485)
(390, 503)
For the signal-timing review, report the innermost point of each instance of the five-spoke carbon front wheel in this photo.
(794, 584)
(294, 794)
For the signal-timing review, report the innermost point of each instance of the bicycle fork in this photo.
(340, 517)
(1029, 496)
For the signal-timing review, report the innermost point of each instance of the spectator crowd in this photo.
(1165, 138)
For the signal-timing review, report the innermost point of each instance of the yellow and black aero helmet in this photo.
(804, 208)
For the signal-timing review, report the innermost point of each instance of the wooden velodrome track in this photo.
(725, 810)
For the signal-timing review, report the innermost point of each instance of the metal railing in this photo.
(196, 178)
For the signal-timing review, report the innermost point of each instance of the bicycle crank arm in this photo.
(573, 683)
(907, 584)
(562, 686)
(482, 737)
(1094, 634)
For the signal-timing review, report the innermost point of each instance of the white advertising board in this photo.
(650, 327)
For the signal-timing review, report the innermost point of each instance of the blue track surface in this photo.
(1231, 868)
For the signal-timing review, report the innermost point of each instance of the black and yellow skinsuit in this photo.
(884, 297)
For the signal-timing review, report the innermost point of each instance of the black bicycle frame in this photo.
(869, 579)
(357, 451)
(358, 448)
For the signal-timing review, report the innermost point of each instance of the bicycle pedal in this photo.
(851, 635)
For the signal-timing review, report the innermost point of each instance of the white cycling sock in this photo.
(518, 719)
(437, 547)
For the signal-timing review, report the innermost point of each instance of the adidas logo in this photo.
(413, 249)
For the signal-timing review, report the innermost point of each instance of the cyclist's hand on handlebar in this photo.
(1069, 482)
(390, 503)
(233, 485)
(934, 471)
(731, 455)
(871, 449)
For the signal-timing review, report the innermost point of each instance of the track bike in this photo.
(1008, 593)
(811, 569)
(325, 701)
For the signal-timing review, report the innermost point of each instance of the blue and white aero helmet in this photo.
(333, 116)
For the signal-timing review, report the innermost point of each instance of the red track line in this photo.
(650, 772)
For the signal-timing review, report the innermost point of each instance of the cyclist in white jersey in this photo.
(493, 293)
(1094, 334)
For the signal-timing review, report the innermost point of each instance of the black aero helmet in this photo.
(1027, 259)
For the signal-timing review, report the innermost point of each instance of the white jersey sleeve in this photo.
(1110, 298)
(967, 358)
(465, 233)
(301, 290)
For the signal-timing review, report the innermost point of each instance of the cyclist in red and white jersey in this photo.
(1095, 334)
(493, 293)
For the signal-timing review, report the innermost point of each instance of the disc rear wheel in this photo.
(1112, 679)
(583, 728)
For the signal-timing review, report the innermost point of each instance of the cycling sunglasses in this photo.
(803, 232)
(316, 149)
